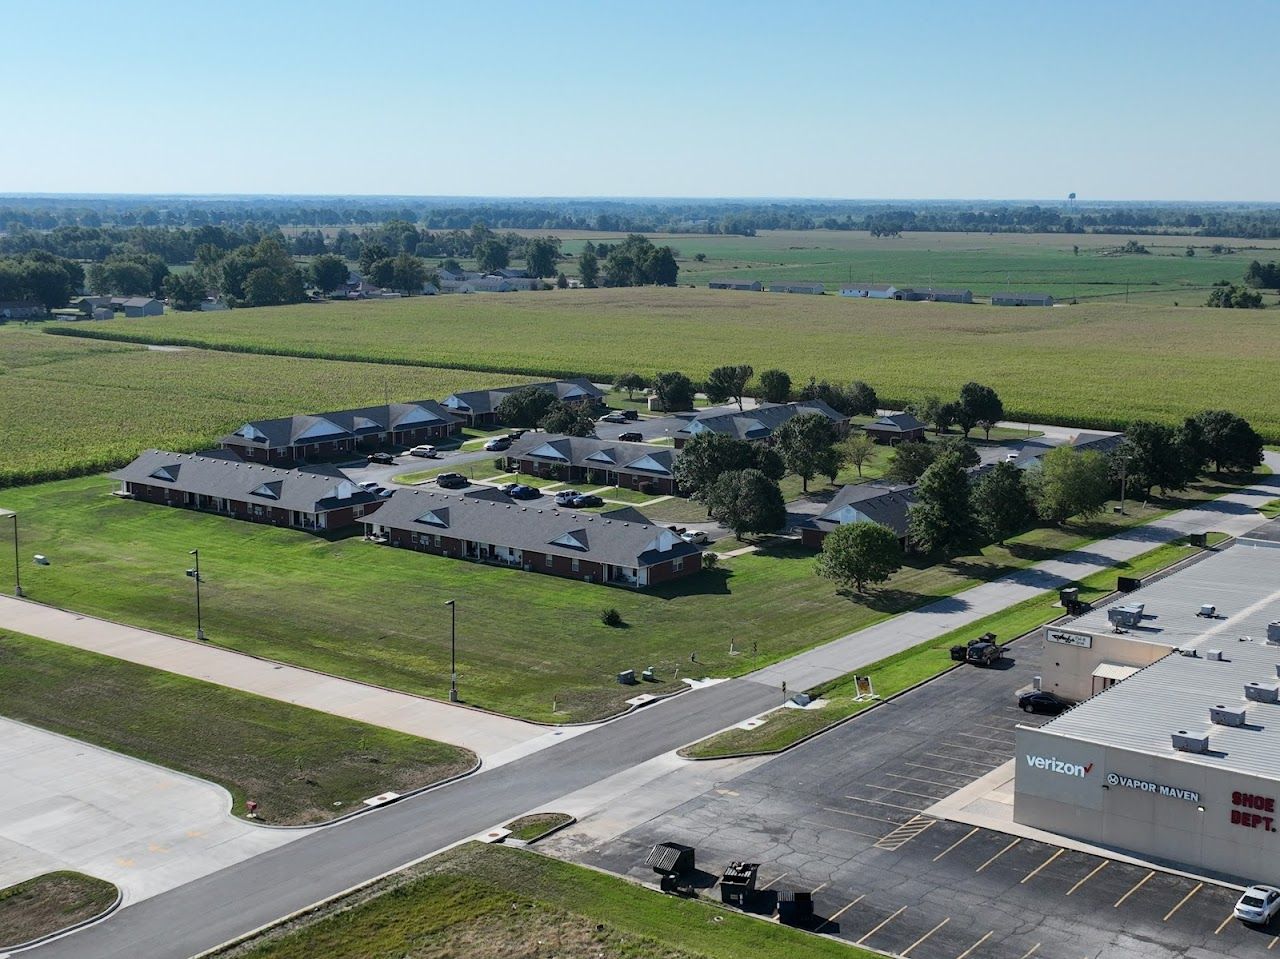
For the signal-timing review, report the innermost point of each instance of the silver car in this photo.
(1258, 905)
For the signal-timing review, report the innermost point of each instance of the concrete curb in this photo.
(519, 844)
(65, 930)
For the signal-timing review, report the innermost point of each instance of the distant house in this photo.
(934, 295)
(21, 309)
(759, 423)
(492, 529)
(512, 273)
(889, 506)
(873, 291)
(754, 286)
(1021, 299)
(797, 286)
(261, 494)
(595, 462)
(143, 306)
(497, 283)
(895, 428)
(86, 308)
(477, 407)
(212, 304)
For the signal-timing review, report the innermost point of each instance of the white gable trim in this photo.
(164, 473)
(251, 432)
(322, 428)
(417, 415)
(266, 490)
(570, 540)
(433, 518)
(649, 465)
(601, 456)
(547, 451)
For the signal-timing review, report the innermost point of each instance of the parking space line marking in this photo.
(1032, 874)
(959, 759)
(776, 879)
(1096, 869)
(846, 812)
(827, 825)
(1272, 943)
(814, 892)
(881, 802)
(1223, 924)
(925, 936)
(1138, 885)
(906, 832)
(956, 843)
(938, 769)
(905, 792)
(1183, 901)
(990, 739)
(969, 952)
(997, 855)
(930, 782)
(880, 925)
(975, 749)
(1031, 952)
(836, 915)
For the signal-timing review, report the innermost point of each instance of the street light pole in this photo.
(453, 651)
(17, 565)
(195, 574)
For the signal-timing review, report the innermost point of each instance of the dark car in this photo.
(630, 415)
(384, 458)
(452, 480)
(1040, 701)
(586, 499)
(630, 437)
(520, 491)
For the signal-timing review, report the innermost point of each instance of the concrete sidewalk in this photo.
(1235, 513)
(495, 739)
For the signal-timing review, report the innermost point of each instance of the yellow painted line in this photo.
(905, 792)
(841, 912)
(1138, 885)
(956, 843)
(1031, 952)
(854, 832)
(775, 879)
(907, 950)
(1272, 943)
(1223, 924)
(927, 782)
(819, 889)
(969, 952)
(997, 855)
(1183, 901)
(1032, 874)
(859, 815)
(881, 802)
(1096, 869)
(880, 925)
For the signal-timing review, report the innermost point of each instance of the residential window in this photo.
(357, 511)
(547, 557)
(677, 565)
(573, 564)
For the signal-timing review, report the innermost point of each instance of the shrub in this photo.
(611, 617)
(710, 560)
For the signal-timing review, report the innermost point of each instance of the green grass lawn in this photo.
(1136, 361)
(525, 640)
(1270, 510)
(529, 828)
(301, 766)
(48, 903)
(893, 674)
(496, 902)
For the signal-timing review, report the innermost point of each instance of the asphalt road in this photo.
(236, 900)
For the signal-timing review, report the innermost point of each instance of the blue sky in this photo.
(1118, 100)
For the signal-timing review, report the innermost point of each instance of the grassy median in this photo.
(299, 765)
(491, 902)
(48, 903)
(787, 726)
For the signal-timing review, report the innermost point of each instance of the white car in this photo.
(1010, 457)
(695, 536)
(1258, 905)
(429, 452)
(368, 485)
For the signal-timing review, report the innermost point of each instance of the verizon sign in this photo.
(1053, 764)
(1067, 638)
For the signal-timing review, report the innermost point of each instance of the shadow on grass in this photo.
(709, 582)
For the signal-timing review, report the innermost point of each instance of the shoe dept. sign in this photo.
(1141, 785)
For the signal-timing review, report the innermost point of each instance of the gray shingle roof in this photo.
(591, 453)
(244, 482)
(486, 401)
(895, 423)
(889, 506)
(531, 526)
(341, 424)
(759, 422)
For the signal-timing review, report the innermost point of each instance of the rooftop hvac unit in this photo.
(1208, 611)
(1273, 633)
(1186, 742)
(1262, 692)
(1227, 715)
(1213, 654)
(1127, 615)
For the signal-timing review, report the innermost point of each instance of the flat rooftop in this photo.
(1243, 582)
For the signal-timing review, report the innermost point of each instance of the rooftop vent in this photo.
(1208, 611)
(1186, 742)
(1226, 715)
(1214, 654)
(1262, 692)
(1273, 633)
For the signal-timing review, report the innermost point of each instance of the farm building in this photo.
(932, 294)
(1021, 299)
(797, 286)
(574, 459)
(872, 291)
(759, 423)
(754, 286)
(21, 309)
(224, 484)
(895, 428)
(480, 406)
(136, 306)
(861, 503)
(488, 527)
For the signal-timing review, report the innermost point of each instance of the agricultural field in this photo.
(72, 406)
(1097, 364)
(529, 645)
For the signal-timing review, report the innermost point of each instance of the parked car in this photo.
(497, 444)
(386, 459)
(452, 480)
(428, 452)
(1258, 905)
(586, 499)
(695, 536)
(631, 436)
(630, 415)
(1041, 701)
(514, 435)
(613, 417)
(368, 484)
(524, 492)
(566, 497)
(1011, 457)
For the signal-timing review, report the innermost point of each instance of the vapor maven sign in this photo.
(1158, 789)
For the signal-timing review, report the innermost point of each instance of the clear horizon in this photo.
(993, 100)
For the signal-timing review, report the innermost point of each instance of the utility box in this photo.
(671, 860)
(1198, 539)
(627, 677)
(739, 883)
(1127, 584)
(1069, 597)
(794, 908)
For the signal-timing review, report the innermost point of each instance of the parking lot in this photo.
(843, 817)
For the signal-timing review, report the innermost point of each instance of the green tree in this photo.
(562, 281)
(262, 287)
(589, 269)
(1153, 455)
(1068, 483)
(408, 273)
(492, 254)
(962, 448)
(775, 386)
(862, 400)
(858, 449)
(1228, 441)
(630, 382)
(328, 272)
(185, 291)
(909, 461)
(371, 253)
(541, 254)
(1001, 503)
(662, 268)
(979, 406)
(858, 554)
(941, 518)
(728, 383)
(706, 456)
(806, 444)
(746, 501)
(382, 272)
(946, 416)
(525, 408)
(567, 419)
(674, 391)
(926, 410)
